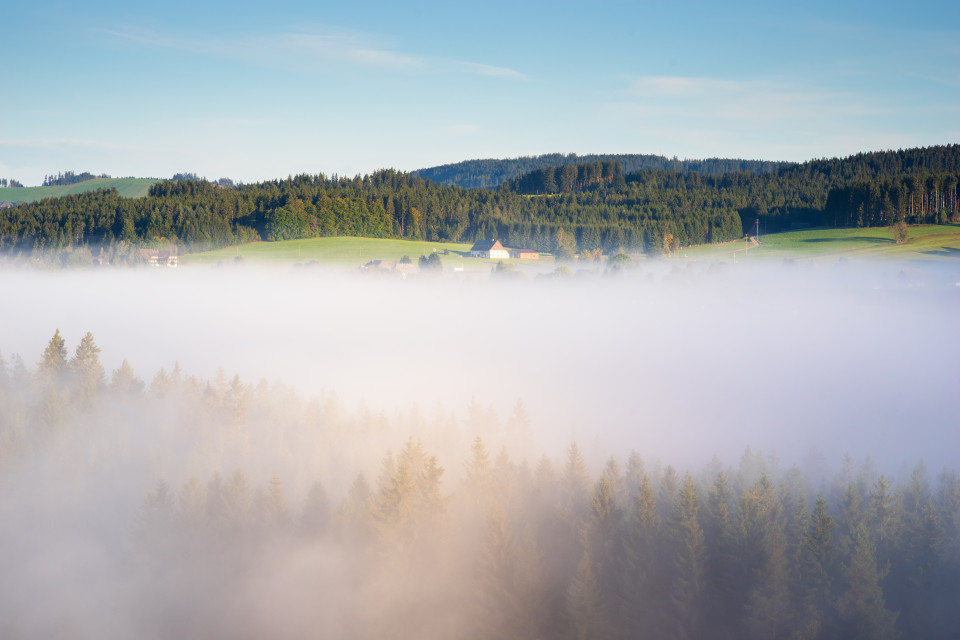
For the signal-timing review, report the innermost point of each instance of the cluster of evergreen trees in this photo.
(594, 203)
(69, 177)
(508, 549)
(9, 182)
(551, 552)
(923, 198)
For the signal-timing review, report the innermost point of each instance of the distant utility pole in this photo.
(758, 229)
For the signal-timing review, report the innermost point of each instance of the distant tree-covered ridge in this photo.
(596, 205)
(494, 172)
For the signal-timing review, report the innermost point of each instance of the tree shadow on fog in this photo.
(944, 252)
(856, 239)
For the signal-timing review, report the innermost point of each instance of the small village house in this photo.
(489, 249)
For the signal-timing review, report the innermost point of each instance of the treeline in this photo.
(490, 173)
(911, 199)
(594, 203)
(517, 545)
(554, 551)
(493, 172)
(107, 224)
(69, 177)
(9, 182)
(200, 215)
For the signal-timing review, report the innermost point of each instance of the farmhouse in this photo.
(525, 254)
(161, 257)
(488, 249)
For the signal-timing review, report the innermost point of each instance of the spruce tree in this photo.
(687, 555)
(861, 608)
(54, 360)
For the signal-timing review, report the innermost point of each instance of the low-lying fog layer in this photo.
(681, 363)
(364, 379)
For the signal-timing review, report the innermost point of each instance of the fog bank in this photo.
(682, 363)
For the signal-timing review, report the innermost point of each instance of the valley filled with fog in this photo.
(304, 452)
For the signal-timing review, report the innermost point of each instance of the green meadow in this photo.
(128, 188)
(926, 242)
(351, 253)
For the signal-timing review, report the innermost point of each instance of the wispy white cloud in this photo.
(309, 48)
(492, 71)
(347, 46)
(301, 48)
(139, 36)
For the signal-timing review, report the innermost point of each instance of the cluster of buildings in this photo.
(493, 249)
(490, 249)
(169, 257)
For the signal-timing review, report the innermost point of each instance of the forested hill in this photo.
(586, 206)
(868, 189)
(493, 172)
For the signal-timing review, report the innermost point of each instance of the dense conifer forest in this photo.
(256, 515)
(598, 204)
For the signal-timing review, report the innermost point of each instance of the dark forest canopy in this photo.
(515, 546)
(599, 203)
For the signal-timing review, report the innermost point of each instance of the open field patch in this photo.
(925, 242)
(349, 252)
(127, 187)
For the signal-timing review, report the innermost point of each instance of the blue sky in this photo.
(260, 90)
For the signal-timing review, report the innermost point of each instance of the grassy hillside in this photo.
(926, 242)
(128, 187)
